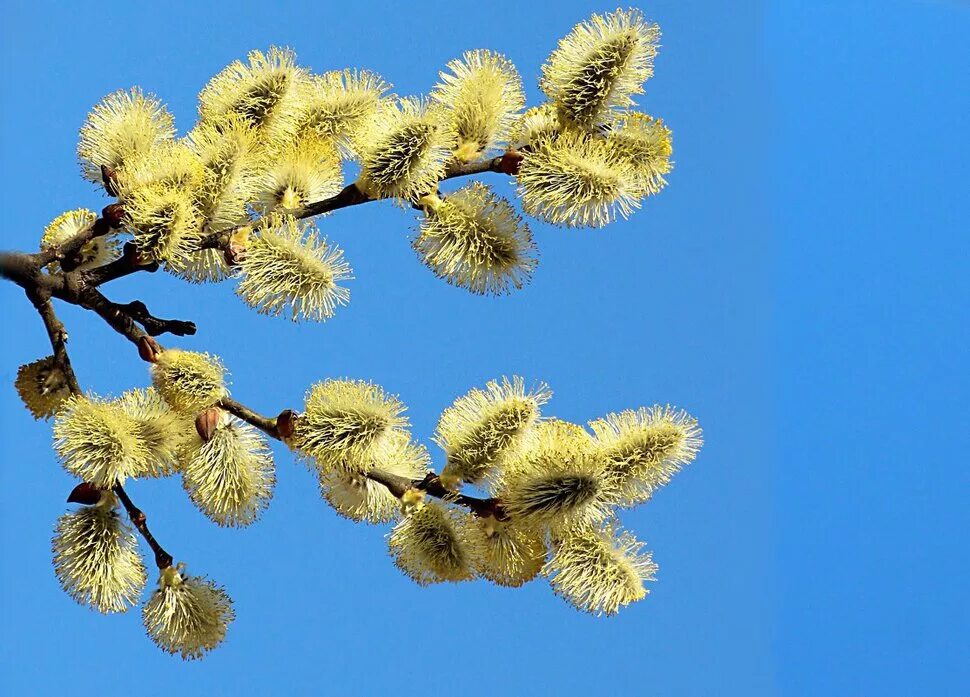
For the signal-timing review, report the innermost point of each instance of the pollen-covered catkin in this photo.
(599, 65)
(482, 94)
(643, 449)
(96, 557)
(189, 381)
(429, 546)
(163, 430)
(355, 496)
(577, 180)
(503, 552)
(230, 477)
(484, 428)
(42, 386)
(404, 148)
(599, 570)
(123, 125)
(95, 252)
(98, 442)
(558, 482)
(345, 422)
(187, 615)
(475, 240)
(289, 270)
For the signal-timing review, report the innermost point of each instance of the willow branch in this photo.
(396, 484)
(58, 338)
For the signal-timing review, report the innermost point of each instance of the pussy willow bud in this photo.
(86, 494)
(206, 422)
(285, 423)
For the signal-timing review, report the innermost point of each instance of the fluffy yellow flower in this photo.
(187, 615)
(355, 496)
(484, 428)
(189, 381)
(336, 105)
(265, 93)
(645, 143)
(404, 148)
(171, 166)
(482, 95)
(598, 570)
(557, 483)
(306, 170)
(165, 223)
(231, 161)
(42, 387)
(231, 477)
(98, 442)
(429, 546)
(123, 125)
(644, 449)
(163, 430)
(535, 125)
(577, 180)
(96, 252)
(96, 558)
(289, 270)
(503, 552)
(599, 65)
(475, 240)
(345, 423)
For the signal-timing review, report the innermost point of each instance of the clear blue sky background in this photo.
(801, 287)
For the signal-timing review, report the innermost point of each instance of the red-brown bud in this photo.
(114, 213)
(84, 493)
(510, 162)
(110, 180)
(149, 349)
(285, 423)
(207, 422)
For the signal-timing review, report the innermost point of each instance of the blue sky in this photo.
(800, 287)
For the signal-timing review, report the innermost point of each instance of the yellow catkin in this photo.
(482, 95)
(96, 558)
(305, 171)
(429, 546)
(404, 149)
(645, 143)
(96, 252)
(231, 477)
(289, 270)
(265, 92)
(335, 105)
(42, 387)
(557, 482)
(536, 125)
(577, 180)
(599, 570)
(123, 125)
(599, 65)
(486, 427)
(503, 552)
(345, 423)
(165, 223)
(187, 615)
(189, 381)
(98, 442)
(643, 449)
(475, 240)
(163, 431)
(355, 496)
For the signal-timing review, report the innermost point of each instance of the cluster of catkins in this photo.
(272, 137)
(555, 485)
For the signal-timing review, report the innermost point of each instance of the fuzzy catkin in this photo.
(96, 558)
(599, 570)
(187, 615)
(289, 270)
(484, 428)
(475, 240)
